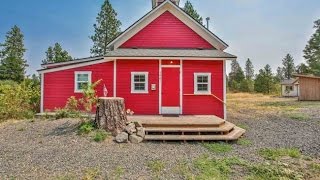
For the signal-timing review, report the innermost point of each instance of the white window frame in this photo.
(196, 83)
(133, 91)
(76, 73)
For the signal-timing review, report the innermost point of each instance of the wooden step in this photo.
(226, 127)
(235, 134)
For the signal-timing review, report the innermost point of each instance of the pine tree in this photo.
(312, 50)
(279, 75)
(56, 55)
(249, 70)
(106, 29)
(189, 9)
(302, 69)
(13, 65)
(264, 82)
(288, 66)
(236, 76)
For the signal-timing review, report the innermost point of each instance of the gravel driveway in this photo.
(52, 149)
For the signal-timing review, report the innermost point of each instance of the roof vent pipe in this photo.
(208, 20)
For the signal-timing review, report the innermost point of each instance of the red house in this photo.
(165, 63)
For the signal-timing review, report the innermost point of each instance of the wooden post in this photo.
(111, 114)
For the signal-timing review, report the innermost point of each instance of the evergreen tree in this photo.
(236, 76)
(264, 82)
(13, 65)
(312, 50)
(249, 70)
(302, 69)
(279, 75)
(288, 66)
(56, 55)
(189, 9)
(106, 29)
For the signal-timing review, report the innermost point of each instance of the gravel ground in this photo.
(49, 149)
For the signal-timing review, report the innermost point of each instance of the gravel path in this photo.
(50, 149)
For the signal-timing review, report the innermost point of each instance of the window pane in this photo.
(139, 78)
(202, 79)
(139, 86)
(83, 77)
(202, 87)
(82, 85)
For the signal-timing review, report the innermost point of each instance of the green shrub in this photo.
(18, 101)
(86, 127)
(100, 135)
(218, 147)
(275, 154)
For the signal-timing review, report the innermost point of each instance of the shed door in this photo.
(170, 91)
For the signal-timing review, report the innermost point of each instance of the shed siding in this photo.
(309, 89)
(205, 105)
(59, 86)
(167, 31)
(147, 104)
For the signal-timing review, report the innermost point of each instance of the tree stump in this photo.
(111, 115)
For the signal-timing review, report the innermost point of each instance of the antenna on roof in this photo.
(208, 19)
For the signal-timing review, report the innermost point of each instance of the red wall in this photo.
(59, 86)
(167, 31)
(139, 103)
(205, 105)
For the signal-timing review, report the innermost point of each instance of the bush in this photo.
(18, 101)
(86, 127)
(100, 135)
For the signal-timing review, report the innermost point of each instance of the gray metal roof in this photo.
(184, 53)
(288, 81)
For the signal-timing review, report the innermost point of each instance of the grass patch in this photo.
(218, 147)
(100, 135)
(92, 174)
(271, 172)
(185, 170)
(244, 142)
(243, 126)
(275, 154)
(117, 173)
(156, 166)
(315, 167)
(86, 127)
(299, 116)
(209, 168)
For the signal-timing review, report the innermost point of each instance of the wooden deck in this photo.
(184, 128)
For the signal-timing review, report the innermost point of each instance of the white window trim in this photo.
(196, 83)
(76, 73)
(146, 91)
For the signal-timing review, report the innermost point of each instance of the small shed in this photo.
(309, 87)
(290, 88)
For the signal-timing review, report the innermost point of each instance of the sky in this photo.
(262, 30)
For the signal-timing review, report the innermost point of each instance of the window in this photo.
(82, 79)
(139, 82)
(202, 83)
(289, 88)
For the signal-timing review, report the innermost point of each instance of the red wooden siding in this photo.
(59, 86)
(139, 103)
(205, 105)
(167, 31)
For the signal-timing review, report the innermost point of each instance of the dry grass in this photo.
(254, 106)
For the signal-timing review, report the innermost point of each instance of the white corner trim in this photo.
(224, 91)
(160, 86)
(146, 91)
(76, 73)
(75, 66)
(115, 78)
(181, 86)
(196, 83)
(42, 93)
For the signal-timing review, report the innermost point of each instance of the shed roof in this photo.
(288, 81)
(306, 76)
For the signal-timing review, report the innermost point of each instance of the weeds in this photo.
(275, 154)
(244, 142)
(91, 174)
(117, 173)
(299, 116)
(218, 147)
(156, 166)
(100, 135)
(184, 169)
(86, 127)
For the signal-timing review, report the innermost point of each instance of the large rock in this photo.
(135, 139)
(122, 137)
(141, 132)
(131, 128)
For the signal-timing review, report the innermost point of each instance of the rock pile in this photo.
(133, 132)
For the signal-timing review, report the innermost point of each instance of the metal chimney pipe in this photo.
(208, 19)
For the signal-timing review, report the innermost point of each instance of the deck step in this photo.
(233, 135)
(226, 127)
